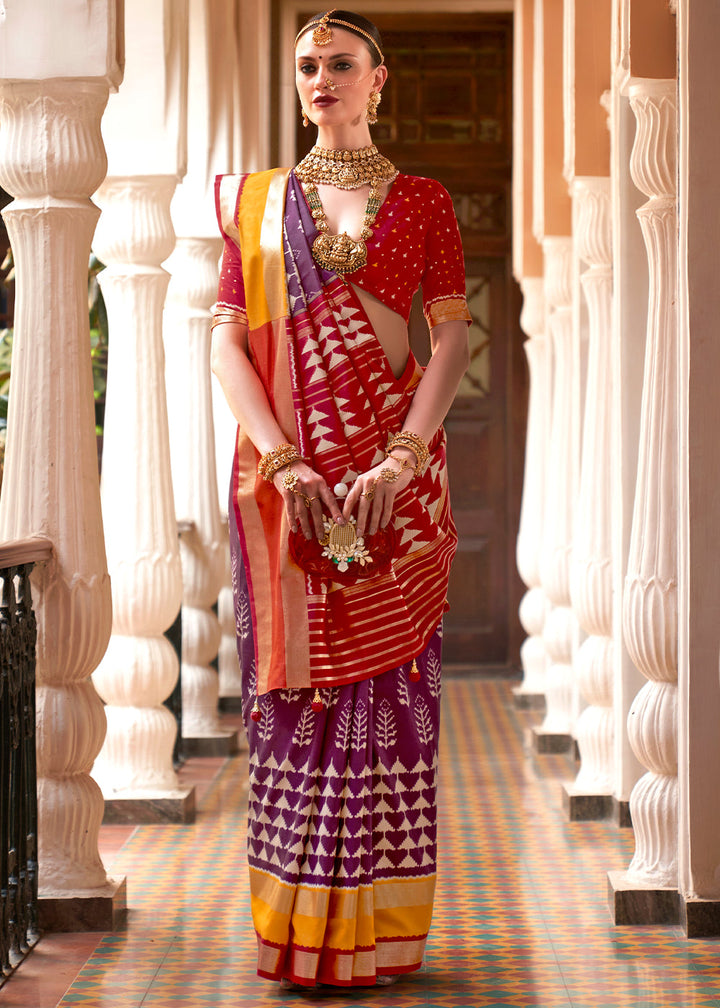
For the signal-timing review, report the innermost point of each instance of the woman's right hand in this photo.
(306, 500)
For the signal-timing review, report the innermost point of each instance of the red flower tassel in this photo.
(414, 672)
(256, 713)
(317, 704)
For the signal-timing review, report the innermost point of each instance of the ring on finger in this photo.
(369, 494)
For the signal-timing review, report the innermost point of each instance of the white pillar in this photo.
(193, 289)
(650, 602)
(591, 574)
(629, 324)
(699, 572)
(145, 130)
(561, 624)
(51, 160)
(229, 677)
(534, 605)
(140, 667)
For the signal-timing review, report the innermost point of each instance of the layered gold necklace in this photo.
(344, 169)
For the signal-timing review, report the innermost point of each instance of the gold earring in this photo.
(371, 107)
(305, 120)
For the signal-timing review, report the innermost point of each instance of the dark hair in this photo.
(353, 21)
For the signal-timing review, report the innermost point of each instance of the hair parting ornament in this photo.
(322, 33)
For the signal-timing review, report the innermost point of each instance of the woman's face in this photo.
(346, 63)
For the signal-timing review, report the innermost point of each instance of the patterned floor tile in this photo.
(520, 918)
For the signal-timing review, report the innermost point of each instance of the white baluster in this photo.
(51, 160)
(230, 684)
(590, 796)
(140, 667)
(229, 677)
(650, 601)
(534, 605)
(561, 624)
(192, 291)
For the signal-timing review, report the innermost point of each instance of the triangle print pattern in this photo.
(342, 813)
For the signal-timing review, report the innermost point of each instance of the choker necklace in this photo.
(343, 169)
(346, 169)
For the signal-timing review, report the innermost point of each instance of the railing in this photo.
(18, 782)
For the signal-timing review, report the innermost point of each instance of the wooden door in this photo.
(446, 114)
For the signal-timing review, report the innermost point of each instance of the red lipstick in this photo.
(324, 100)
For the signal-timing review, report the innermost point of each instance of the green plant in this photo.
(98, 339)
(6, 340)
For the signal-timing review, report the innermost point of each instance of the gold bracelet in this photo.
(276, 459)
(390, 475)
(419, 448)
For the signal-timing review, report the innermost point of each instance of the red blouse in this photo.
(415, 242)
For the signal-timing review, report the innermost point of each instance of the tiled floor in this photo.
(521, 915)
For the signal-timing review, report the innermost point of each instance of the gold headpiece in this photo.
(322, 33)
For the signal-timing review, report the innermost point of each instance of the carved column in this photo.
(534, 605)
(591, 571)
(650, 601)
(229, 678)
(192, 291)
(140, 667)
(51, 159)
(561, 624)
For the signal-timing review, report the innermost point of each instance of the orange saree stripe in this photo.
(276, 586)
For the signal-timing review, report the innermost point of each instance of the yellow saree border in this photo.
(260, 212)
(252, 211)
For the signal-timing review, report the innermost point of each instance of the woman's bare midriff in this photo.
(344, 211)
(390, 328)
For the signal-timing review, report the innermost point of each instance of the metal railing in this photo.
(18, 781)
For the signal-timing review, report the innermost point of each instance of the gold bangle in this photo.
(416, 444)
(276, 459)
(390, 475)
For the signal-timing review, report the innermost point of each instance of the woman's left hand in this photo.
(372, 497)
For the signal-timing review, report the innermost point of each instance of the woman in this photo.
(341, 530)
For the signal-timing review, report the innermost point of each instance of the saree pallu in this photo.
(342, 820)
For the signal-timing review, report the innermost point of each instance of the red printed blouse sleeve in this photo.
(443, 280)
(231, 289)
